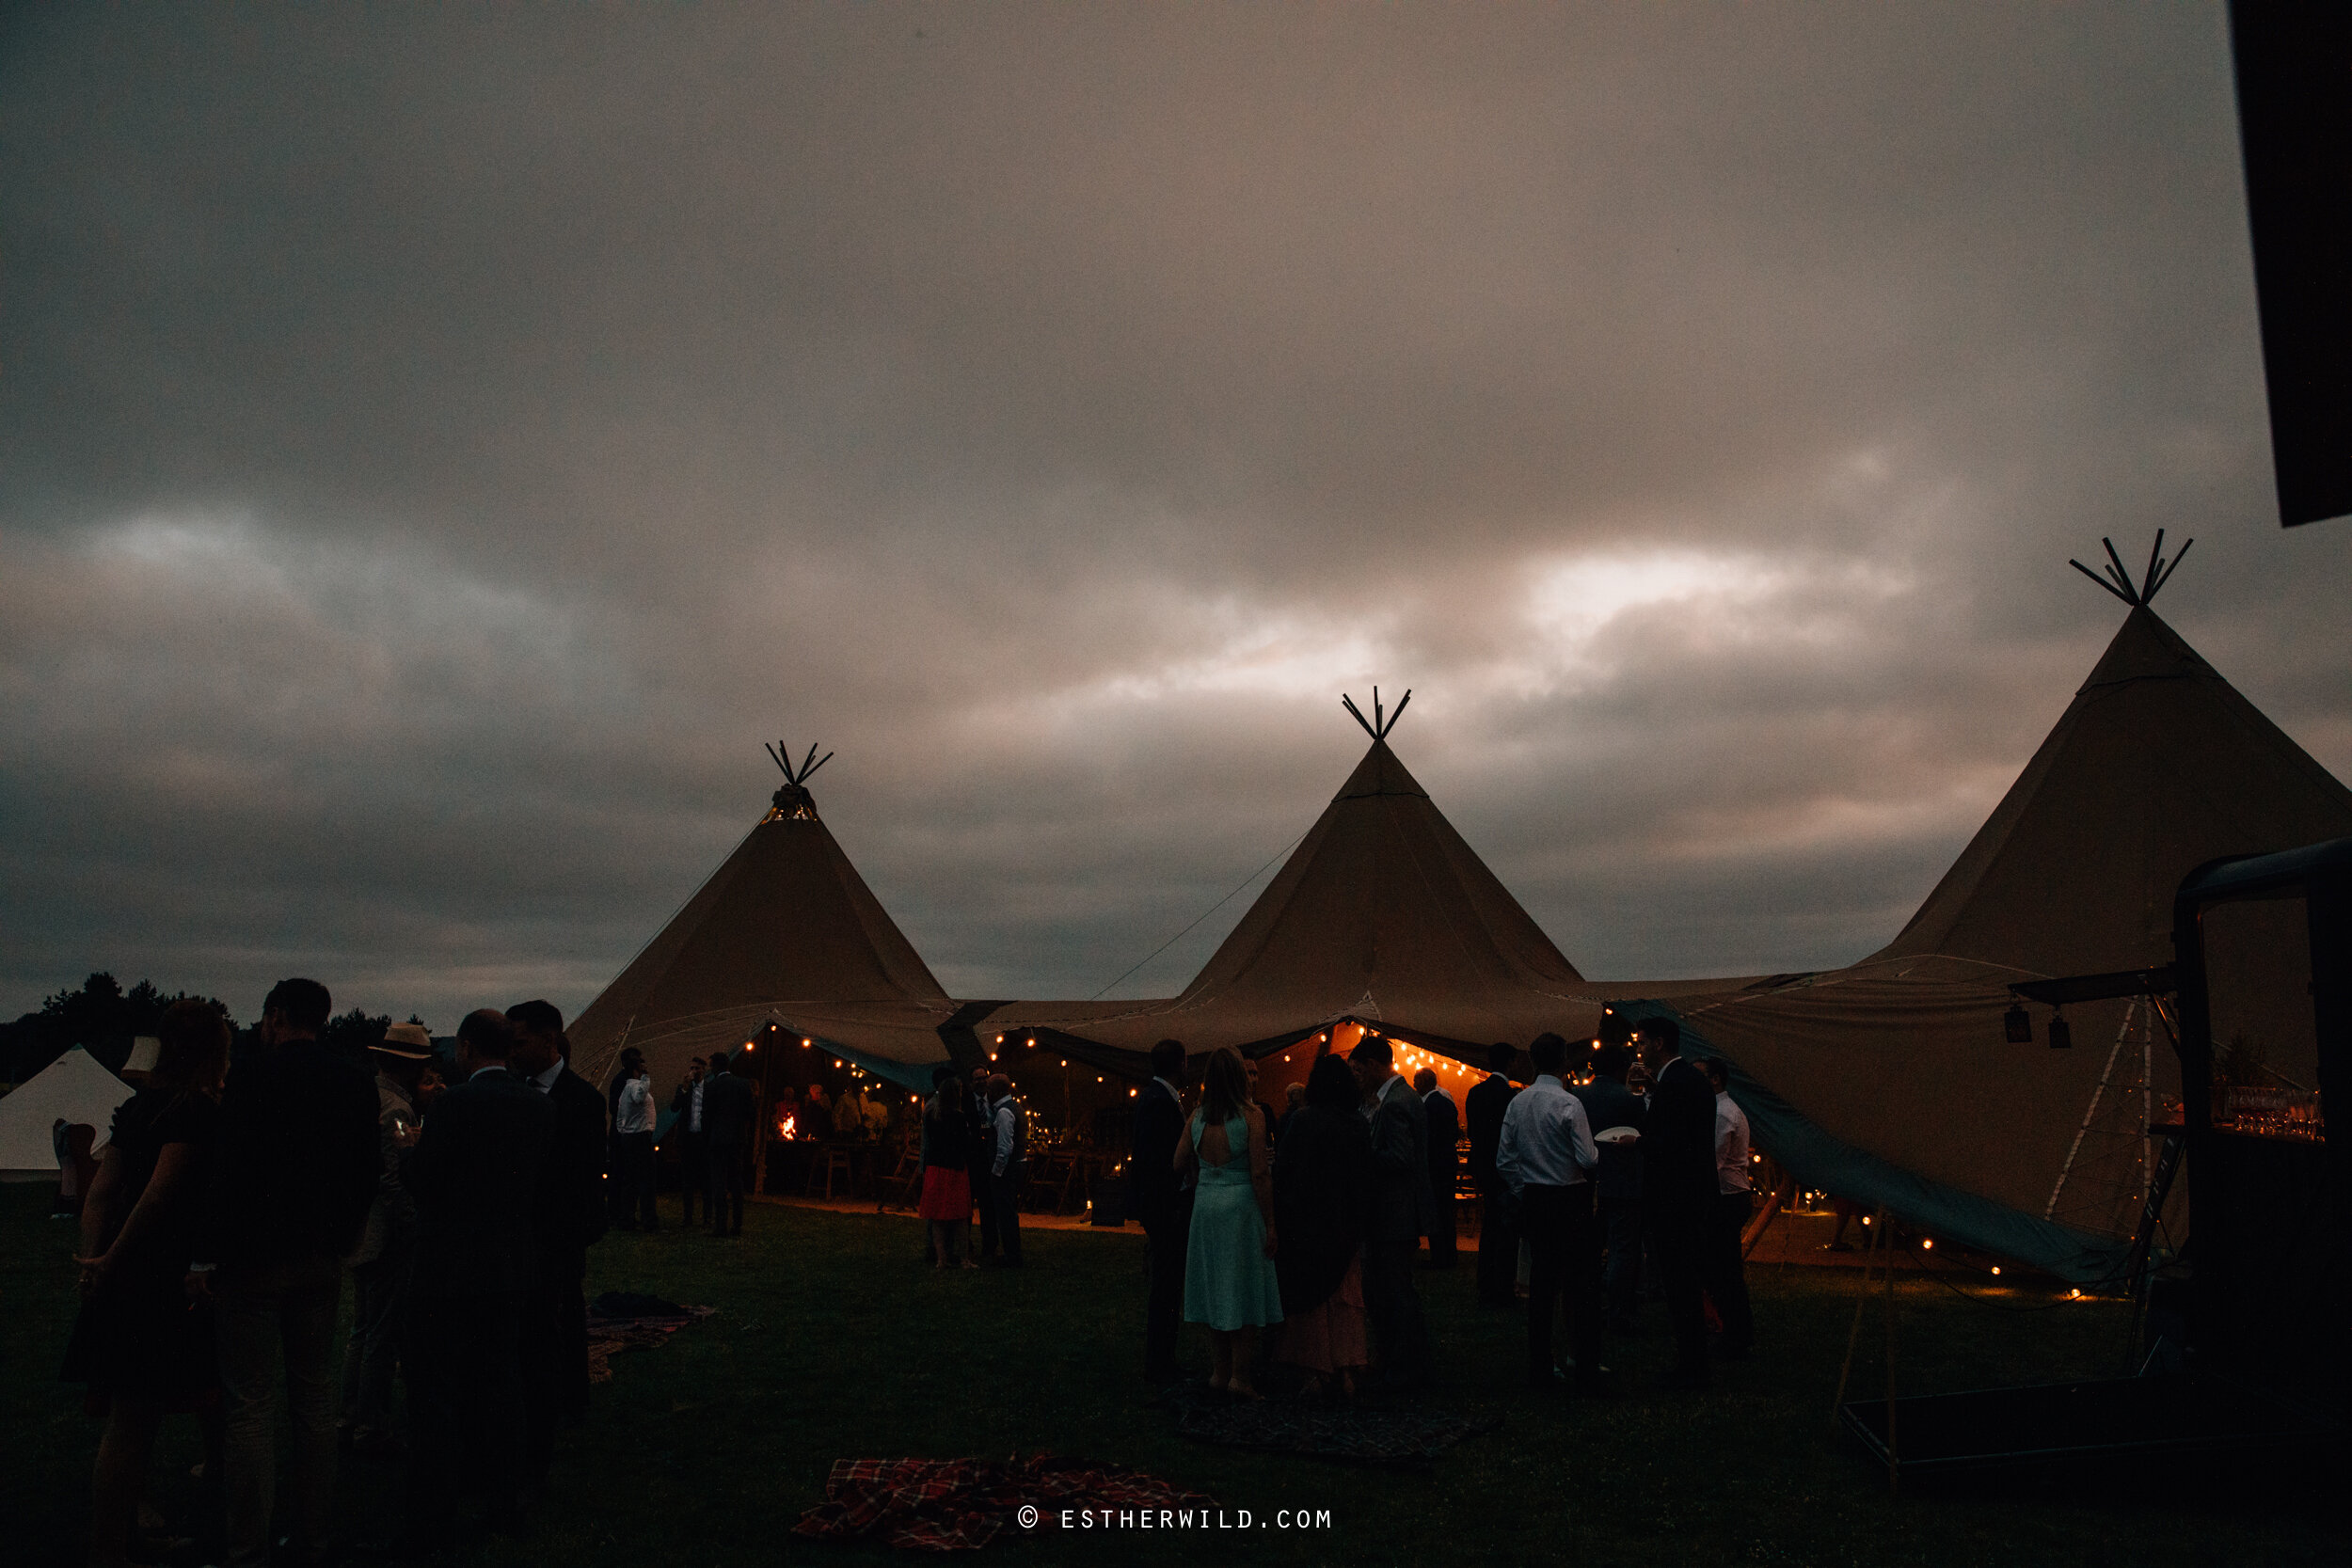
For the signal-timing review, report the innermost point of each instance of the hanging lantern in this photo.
(2017, 1024)
(2061, 1033)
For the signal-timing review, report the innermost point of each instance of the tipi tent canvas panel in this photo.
(1818, 1159)
(785, 922)
(75, 1086)
(1917, 1072)
(1382, 896)
(2156, 767)
(1383, 914)
(1892, 1081)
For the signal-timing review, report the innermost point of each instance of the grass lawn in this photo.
(832, 1341)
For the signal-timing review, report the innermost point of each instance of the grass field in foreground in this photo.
(832, 1340)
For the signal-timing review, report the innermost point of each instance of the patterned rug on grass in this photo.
(1359, 1434)
(945, 1505)
(625, 1320)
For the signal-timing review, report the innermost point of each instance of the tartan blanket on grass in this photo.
(945, 1505)
(624, 1319)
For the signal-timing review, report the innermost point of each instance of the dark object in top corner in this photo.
(2295, 118)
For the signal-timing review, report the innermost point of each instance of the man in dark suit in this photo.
(1614, 1111)
(1445, 1136)
(730, 1107)
(1156, 1198)
(298, 1163)
(1498, 1226)
(1398, 1217)
(1678, 1188)
(555, 1315)
(694, 1141)
(480, 1176)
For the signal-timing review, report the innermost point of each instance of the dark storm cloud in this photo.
(436, 447)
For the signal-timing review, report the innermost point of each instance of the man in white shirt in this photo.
(1726, 1272)
(1547, 1156)
(1006, 1166)
(632, 1131)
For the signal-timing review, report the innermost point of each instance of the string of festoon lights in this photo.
(1030, 1044)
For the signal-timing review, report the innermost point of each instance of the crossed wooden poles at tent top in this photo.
(1376, 726)
(782, 754)
(2118, 581)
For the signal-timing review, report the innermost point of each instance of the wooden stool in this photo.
(828, 1160)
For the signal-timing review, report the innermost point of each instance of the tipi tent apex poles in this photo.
(781, 754)
(1377, 726)
(2117, 580)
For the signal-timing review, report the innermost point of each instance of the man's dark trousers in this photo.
(726, 1192)
(1682, 1232)
(1169, 1233)
(1005, 1190)
(1400, 1334)
(1443, 1245)
(693, 1175)
(1564, 1260)
(1498, 1243)
(467, 1410)
(1726, 1272)
(637, 1171)
(554, 1353)
(1619, 1223)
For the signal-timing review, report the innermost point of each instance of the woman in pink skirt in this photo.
(947, 1141)
(1322, 1182)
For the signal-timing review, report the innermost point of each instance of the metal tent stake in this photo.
(1881, 1250)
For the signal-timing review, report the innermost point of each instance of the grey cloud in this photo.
(436, 447)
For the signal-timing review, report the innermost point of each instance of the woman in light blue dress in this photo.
(1229, 1265)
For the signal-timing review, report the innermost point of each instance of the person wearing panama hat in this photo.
(379, 1269)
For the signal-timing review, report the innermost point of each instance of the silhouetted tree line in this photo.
(104, 1019)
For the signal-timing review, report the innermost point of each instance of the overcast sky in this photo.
(438, 446)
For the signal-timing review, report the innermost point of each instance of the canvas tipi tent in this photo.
(74, 1086)
(784, 932)
(1891, 1081)
(1382, 917)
